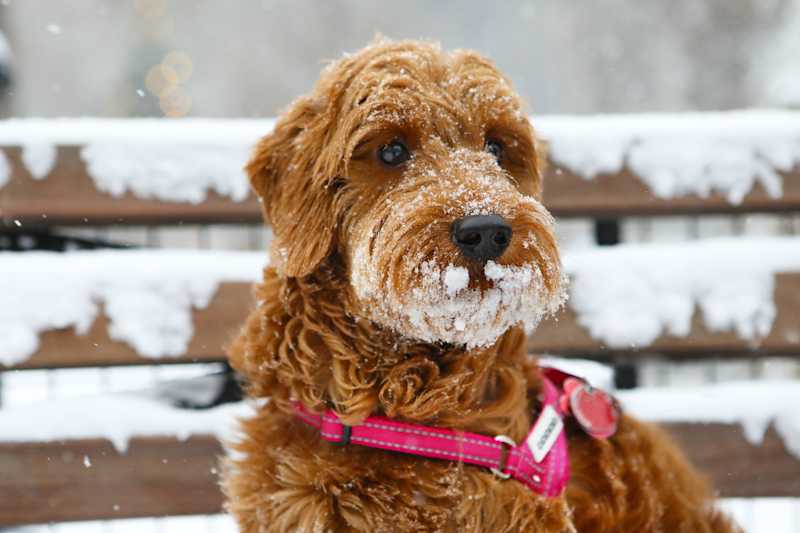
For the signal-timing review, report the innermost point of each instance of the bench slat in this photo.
(68, 196)
(215, 325)
(160, 476)
(566, 336)
(157, 476)
(736, 468)
(624, 194)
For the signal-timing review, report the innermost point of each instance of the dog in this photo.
(411, 255)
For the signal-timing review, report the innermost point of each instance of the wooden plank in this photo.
(624, 194)
(213, 326)
(562, 335)
(156, 476)
(737, 468)
(49, 482)
(68, 196)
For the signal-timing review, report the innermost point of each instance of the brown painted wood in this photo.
(44, 482)
(737, 468)
(624, 194)
(68, 196)
(215, 325)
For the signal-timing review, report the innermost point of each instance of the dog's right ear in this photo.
(295, 199)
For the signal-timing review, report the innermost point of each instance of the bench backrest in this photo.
(69, 197)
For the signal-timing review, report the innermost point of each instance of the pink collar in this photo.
(540, 462)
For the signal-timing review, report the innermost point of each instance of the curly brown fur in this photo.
(341, 321)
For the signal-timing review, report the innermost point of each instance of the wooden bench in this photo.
(157, 475)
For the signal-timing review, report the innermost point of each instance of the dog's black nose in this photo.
(481, 237)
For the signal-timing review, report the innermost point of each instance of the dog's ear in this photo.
(293, 187)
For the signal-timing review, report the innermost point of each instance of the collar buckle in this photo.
(504, 454)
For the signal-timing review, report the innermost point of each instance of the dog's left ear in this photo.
(289, 174)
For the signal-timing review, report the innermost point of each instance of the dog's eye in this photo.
(494, 147)
(393, 154)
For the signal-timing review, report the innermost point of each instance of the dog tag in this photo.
(595, 410)
(544, 433)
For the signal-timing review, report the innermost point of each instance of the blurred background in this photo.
(187, 57)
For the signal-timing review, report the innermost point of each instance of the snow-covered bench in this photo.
(130, 455)
(101, 171)
(727, 297)
(155, 306)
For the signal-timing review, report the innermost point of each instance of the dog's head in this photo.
(417, 174)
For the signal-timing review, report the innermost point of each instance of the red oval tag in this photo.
(594, 409)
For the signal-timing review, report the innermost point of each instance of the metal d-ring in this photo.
(508, 441)
(346, 433)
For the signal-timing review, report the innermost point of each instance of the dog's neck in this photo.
(329, 357)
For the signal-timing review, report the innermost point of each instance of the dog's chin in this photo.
(445, 307)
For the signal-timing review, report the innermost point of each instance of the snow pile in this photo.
(39, 159)
(674, 154)
(597, 374)
(147, 295)
(681, 154)
(627, 296)
(171, 160)
(754, 405)
(118, 418)
(168, 172)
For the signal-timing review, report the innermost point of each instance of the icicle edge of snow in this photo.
(148, 296)
(673, 154)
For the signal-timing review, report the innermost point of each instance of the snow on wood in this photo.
(680, 154)
(118, 418)
(597, 374)
(674, 154)
(170, 160)
(627, 296)
(624, 296)
(147, 295)
(754, 405)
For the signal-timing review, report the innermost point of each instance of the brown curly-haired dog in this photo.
(377, 303)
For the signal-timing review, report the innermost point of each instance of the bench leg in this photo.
(607, 232)
(626, 375)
